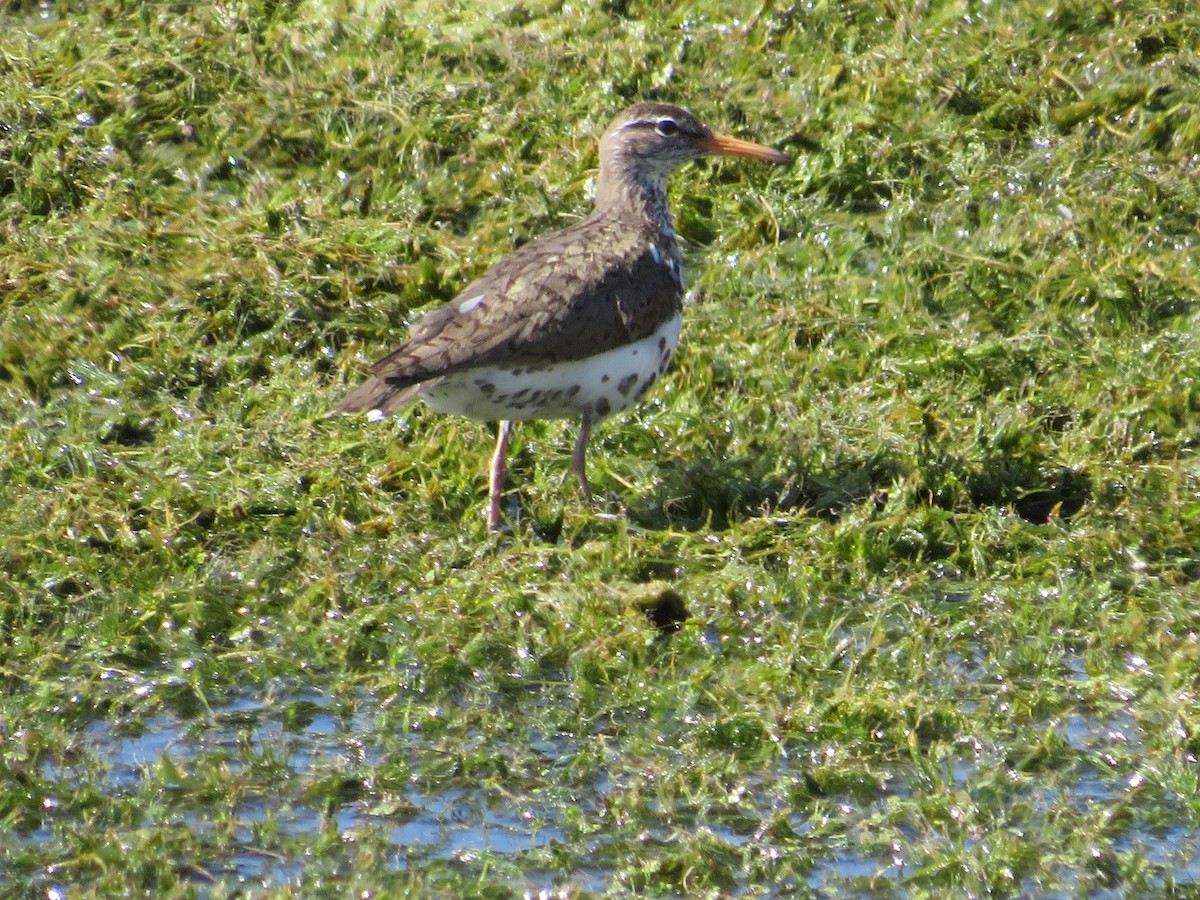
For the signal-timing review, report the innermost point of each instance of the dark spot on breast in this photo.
(603, 407)
(662, 344)
(624, 385)
(604, 379)
(485, 387)
(645, 386)
(574, 389)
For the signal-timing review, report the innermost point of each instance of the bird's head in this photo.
(660, 137)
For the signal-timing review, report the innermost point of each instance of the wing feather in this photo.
(593, 287)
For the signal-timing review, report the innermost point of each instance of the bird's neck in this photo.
(635, 193)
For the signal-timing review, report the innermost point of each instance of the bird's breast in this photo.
(668, 256)
(595, 386)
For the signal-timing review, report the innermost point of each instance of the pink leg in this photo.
(579, 459)
(498, 471)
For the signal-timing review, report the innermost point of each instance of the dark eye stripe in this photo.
(663, 125)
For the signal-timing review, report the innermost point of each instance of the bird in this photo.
(575, 324)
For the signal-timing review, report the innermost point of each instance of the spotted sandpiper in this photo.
(576, 324)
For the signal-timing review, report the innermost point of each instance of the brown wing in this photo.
(592, 287)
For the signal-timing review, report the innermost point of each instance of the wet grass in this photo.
(923, 479)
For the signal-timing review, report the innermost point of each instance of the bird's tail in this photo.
(378, 394)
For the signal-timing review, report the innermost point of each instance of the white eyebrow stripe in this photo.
(470, 303)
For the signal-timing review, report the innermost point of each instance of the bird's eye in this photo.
(667, 127)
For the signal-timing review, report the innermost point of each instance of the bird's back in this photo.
(606, 282)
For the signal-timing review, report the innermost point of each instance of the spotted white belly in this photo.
(600, 385)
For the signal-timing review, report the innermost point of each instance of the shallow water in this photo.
(425, 823)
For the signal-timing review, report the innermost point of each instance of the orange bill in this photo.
(731, 146)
